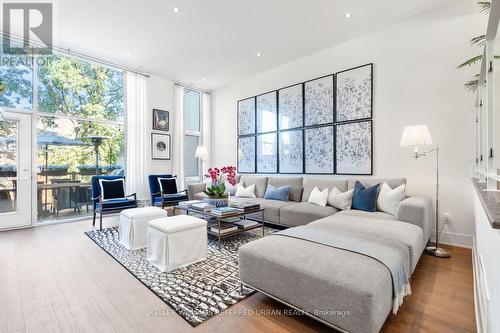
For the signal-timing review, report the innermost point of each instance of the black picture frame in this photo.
(338, 164)
(240, 130)
(338, 82)
(276, 158)
(332, 101)
(305, 127)
(284, 104)
(167, 139)
(274, 106)
(252, 169)
(160, 116)
(308, 151)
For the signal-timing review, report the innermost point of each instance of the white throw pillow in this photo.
(230, 189)
(339, 199)
(389, 199)
(318, 197)
(243, 192)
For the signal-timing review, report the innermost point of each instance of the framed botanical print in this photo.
(354, 93)
(246, 154)
(161, 121)
(291, 151)
(318, 103)
(267, 156)
(246, 116)
(319, 151)
(160, 146)
(291, 108)
(267, 110)
(354, 148)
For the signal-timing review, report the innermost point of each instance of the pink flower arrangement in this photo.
(216, 175)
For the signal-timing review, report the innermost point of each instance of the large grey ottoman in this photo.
(346, 290)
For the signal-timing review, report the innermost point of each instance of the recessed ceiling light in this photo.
(204, 79)
(175, 10)
(258, 54)
(129, 53)
(347, 15)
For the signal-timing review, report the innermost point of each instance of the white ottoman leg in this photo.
(156, 249)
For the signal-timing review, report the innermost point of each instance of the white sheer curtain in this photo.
(137, 136)
(178, 136)
(206, 109)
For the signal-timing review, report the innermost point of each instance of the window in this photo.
(192, 134)
(80, 124)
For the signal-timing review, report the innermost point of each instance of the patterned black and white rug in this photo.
(196, 292)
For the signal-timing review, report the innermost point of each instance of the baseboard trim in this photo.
(451, 238)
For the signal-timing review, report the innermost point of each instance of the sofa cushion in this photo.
(370, 181)
(303, 212)
(294, 182)
(281, 193)
(321, 184)
(365, 198)
(245, 192)
(259, 181)
(361, 213)
(272, 208)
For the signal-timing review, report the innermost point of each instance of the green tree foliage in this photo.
(73, 87)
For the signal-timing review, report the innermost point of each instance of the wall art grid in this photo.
(321, 126)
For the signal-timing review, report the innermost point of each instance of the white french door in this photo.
(15, 170)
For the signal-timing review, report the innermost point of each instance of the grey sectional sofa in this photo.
(346, 290)
(297, 211)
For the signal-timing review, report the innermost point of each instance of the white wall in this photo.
(160, 96)
(415, 82)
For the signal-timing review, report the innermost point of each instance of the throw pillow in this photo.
(243, 192)
(112, 188)
(339, 199)
(167, 185)
(230, 189)
(389, 199)
(365, 198)
(318, 197)
(277, 193)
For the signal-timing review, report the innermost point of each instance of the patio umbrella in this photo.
(49, 138)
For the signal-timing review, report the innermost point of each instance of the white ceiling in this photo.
(218, 39)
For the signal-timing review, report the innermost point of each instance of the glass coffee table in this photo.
(216, 220)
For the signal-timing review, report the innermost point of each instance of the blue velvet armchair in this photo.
(113, 201)
(169, 195)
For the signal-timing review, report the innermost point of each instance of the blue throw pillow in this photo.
(365, 198)
(277, 193)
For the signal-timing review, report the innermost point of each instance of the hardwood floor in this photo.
(55, 279)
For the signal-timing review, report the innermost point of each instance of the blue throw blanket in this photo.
(393, 255)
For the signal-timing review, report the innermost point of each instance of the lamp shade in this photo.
(201, 152)
(416, 136)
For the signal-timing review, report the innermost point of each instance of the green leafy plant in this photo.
(218, 188)
(479, 41)
(217, 191)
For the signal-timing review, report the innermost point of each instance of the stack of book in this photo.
(225, 228)
(189, 203)
(224, 211)
(244, 224)
(245, 206)
(202, 207)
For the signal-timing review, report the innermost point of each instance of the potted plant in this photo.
(88, 169)
(8, 170)
(216, 192)
(54, 169)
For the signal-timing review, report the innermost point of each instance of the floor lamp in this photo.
(201, 153)
(419, 136)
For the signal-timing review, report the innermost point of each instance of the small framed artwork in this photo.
(354, 148)
(160, 146)
(290, 112)
(161, 121)
(246, 116)
(267, 153)
(319, 155)
(291, 151)
(318, 101)
(354, 93)
(267, 112)
(246, 154)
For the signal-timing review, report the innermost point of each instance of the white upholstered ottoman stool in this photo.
(176, 241)
(133, 225)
